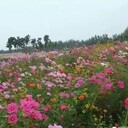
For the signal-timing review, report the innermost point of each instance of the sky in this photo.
(61, 19)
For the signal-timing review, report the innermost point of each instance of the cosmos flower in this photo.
(12, 108)
(12, 119)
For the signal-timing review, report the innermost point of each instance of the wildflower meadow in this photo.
(83, 87)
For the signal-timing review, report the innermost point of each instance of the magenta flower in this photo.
(101, 75)
(109, 86)
(126, 103)
(80, 82)
(1, 88)
(37, 115)
(108, 71)
(120, 84)
(12, 119)
(44, 117)
(55, 126)
(99, 81)
(12, 108)
(106, 86)
(63, 107)
(30, 106)
(65, 95)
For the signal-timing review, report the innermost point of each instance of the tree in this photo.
(125, 34)
(33, 43)
(40, 45)
(46, 40)
(15, 43)
(20, 42)
(10, 43)
(26, 40)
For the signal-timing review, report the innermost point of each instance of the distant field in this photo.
(20, 54)
(8, 55)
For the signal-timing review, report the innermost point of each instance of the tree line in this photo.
(18, 43)
(39, 44)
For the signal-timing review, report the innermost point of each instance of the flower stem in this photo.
(126, 118)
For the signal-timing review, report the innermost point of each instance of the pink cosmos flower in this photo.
(1, 88)
(55, 126)
(17, 75)
(99, 81)
(12, 108)
(12, 119)
(44, 117)
(10, 74)
(46, 108)
(80, 82)
(48, 60)
(37, 115)
(109, 86)
(106, 86)
(100, 75)
(49, 84)
(63, 107)
(93, 79)
(126, 103)
(108, 71)
(65, 95)
(19, 79)
(69, 77)
(33, 69)
(52, 74)
(120, 84)
(29, 106)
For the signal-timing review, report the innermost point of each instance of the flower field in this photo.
(84, 87)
